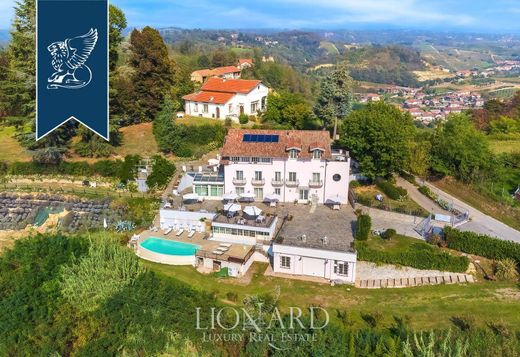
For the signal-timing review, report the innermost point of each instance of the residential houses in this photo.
(222, 98)
(227, 72)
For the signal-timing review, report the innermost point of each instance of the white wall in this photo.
(183, 219)
(314, 262)
(304, 173)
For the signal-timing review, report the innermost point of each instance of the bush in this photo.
(391, 190)
(363, 226)
(425, 190)
(481, 244)
(243, 119)
(506, 269)
(420, 256)
(409, 177)
(389, 233)
(354, 184)
(232, 296)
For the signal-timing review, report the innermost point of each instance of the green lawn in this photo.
(502, 146)
(427, 306)
(366, 196)
(396, 244)
(11, 148)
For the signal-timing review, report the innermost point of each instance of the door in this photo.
(304, 194)
(313, 267)
(218, 113)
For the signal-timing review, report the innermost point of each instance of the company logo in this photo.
(68, 61)
(262, 322)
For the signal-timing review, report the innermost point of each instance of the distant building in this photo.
(228, 72)
(221, 98)
(244, 63)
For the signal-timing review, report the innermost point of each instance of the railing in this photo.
(294, 183)
(239, 182)
(313, 183)
(277, 182)
(259, 182)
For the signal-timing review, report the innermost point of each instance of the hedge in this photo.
(363, 226)
(482, 245)
(391, 190)
(421, 256)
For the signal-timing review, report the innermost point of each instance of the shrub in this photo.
(363, 226)
(506, 269)
(243, 118)
(391, 190)
(425, 190)
(354, 184)
(232, 296)
(420, 256)
(409, 177)
(481, 244)
(389, 233)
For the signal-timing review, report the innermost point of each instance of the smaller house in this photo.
(244, 63)
(228, 72)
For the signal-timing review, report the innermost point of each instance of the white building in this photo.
(241, 230)
(322, 252)
(296, 165)
(187, 220)
(221, 98)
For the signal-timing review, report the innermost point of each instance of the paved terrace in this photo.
(237, 252)
(243, 220)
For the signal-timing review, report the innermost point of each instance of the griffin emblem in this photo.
(68, 61)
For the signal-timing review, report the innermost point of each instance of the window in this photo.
(315, 177)
(195, 107)
(264, 99)
(316, 154)
(340, 268)
(254, 107)
(293, 154)
(278, 176)
(259, 193)
(336, 177)
(292, 176)
(235, 158)
(304, 194)
(239, 175)
(255, 160)
(277, 191)
(201, 190)
(230, 108)
(285, 262)
(258, 175)
(239, 190)
(205, 108)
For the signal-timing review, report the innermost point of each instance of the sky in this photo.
(499, 16)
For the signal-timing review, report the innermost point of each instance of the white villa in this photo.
(291, 165)
(221, 98)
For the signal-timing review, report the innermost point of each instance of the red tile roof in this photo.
(245, 60)
(209, 97)
(305, 139)
(230, 85)
(224, 70)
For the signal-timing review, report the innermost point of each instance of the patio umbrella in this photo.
(190, 197)
(252, 211)
(335, 200)
(247, 197)
(230, 196)
(272, 197)
(232, 207)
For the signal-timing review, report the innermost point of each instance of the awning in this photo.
(190, 197)
(335, 200)
(272, 197)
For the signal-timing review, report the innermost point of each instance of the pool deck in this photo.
(237, 252)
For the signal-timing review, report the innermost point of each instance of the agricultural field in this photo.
(453, 58)
(504, 146)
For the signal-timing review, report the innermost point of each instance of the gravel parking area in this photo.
(367, 270)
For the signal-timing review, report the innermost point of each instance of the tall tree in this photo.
(335, 98)
(117, 23)
(153, 73)
(379, 138)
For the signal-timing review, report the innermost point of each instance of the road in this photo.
(479, 222)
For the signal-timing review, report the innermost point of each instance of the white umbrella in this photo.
(333, 200)
(105, 224)
(247, 195)
(272, 197)
(190, 196)
(252, 211)
(230, 196)
(232, 207)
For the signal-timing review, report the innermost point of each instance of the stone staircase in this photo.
(418, 281)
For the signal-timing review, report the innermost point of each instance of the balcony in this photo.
(315, 184)
(294, 183)
(276, 182)
(259, 182)
(239, 182)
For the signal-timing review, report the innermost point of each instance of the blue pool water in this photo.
(169, 247)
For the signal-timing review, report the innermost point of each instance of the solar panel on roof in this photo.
(260, 138)
(247, 138)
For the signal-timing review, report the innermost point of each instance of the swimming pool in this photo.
(169, 247)
(167, 251)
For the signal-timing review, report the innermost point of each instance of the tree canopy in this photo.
(378, 136)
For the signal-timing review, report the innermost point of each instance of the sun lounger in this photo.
(222, 249)
(227, 245)
(191, 234)
(180, 232)
(218, 252)
(167, 231)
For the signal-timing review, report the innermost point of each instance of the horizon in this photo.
(442, 16)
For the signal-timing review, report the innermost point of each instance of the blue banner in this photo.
(72, 65)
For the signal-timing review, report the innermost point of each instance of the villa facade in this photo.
(294, 165)
(221, 98)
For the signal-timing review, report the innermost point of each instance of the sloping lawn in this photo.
(502, 146)
(137, 139)
(11, 149)
(366, 195)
